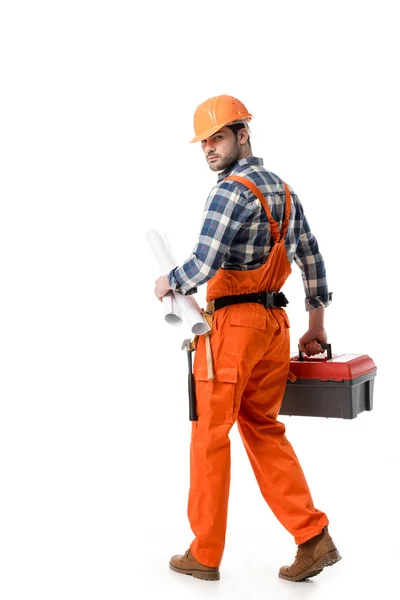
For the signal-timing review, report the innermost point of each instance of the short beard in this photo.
(225, 162)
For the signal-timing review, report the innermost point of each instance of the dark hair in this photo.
(235, 127)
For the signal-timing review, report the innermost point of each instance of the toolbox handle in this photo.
(326, 347)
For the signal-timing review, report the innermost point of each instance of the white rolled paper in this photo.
(172, 312)
(176, 305)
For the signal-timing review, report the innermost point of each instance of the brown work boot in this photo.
(312, 557)
(188, 565)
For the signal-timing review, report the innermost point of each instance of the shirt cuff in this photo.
(314, 302)
(174, 284)
(172, 281)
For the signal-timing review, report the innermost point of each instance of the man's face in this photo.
(221, 149)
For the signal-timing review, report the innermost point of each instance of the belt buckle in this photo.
(269, 300)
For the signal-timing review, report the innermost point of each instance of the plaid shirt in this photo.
(235, 234)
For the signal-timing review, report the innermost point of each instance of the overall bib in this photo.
(251, 354)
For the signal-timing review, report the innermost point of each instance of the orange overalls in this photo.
(251, 353)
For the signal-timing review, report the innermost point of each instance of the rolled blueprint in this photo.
(172, 312)
(176, 305)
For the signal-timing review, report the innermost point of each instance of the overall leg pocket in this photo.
(215, 398)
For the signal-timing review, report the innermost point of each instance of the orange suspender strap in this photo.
(276, 234)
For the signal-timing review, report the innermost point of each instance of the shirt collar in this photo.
(250, 160)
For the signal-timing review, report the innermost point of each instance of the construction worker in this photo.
(253, 228)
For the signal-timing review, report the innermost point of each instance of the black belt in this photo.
(267, 299)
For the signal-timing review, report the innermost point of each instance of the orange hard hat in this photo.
(215, 113)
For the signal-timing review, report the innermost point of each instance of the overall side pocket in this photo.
(215, 398)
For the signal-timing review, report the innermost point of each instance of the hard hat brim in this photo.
(206, 134)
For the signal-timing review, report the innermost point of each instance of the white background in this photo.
(97, 102)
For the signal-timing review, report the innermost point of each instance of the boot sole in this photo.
(205, 575)
(325, 561)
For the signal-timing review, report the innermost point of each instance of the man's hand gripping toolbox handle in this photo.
(326, 347)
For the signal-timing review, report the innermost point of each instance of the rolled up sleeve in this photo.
(310, 260)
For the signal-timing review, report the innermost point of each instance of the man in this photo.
(253, 228)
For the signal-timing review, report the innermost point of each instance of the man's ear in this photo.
(243, 136)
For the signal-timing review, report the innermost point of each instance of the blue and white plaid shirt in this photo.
(235, 234)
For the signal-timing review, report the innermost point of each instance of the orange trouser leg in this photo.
(275, 464)
(209, 490)
(217, 403)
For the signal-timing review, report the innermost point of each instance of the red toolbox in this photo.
(338, 386)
